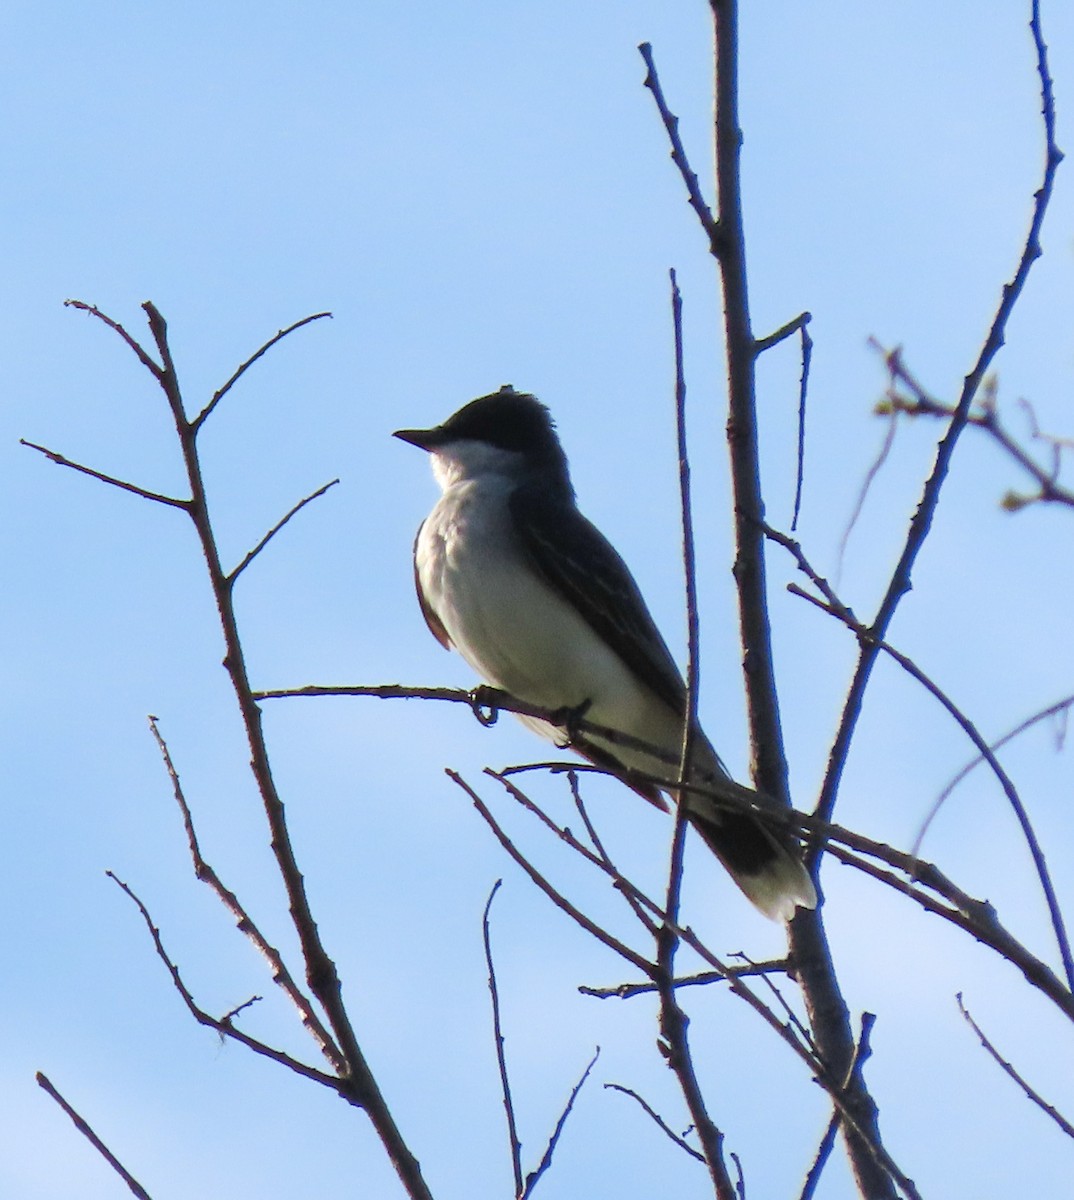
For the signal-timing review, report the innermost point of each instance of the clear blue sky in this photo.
(481, 194)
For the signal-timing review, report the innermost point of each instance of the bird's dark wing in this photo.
(436, 626)
(574, 558)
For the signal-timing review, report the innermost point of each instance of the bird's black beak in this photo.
(424, 439)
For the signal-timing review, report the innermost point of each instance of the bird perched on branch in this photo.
(512, 576)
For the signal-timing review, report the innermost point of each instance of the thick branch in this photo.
(827, 1009)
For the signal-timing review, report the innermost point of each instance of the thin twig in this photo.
(1059, 707)
(495, 700)
(218, 395)
(782, 333)
(803, 389)
(871, 475)
(678, 153)
(798, 325)
(627, 991)
(610, 868)
(674, 1024)
(740, 1176)
(793, 1018)
(61, 461)
(281, 976)
(249, 558)
(501, 1058)
(1032, 1093)
(546, 1159)
(557, 897)
(152, 367)
(658, 1120)
(83, 1127)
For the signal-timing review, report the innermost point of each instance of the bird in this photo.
(512, 576)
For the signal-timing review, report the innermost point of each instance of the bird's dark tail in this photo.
(765, 866)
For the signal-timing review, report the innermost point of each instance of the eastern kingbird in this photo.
(512, 576)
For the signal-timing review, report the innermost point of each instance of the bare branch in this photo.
(609, 867)
(861, 1052)
(501, 1060)
(83, 1127)
(872, 1167)
(627, 991)
(223, 1027)
(557, 897)
(659, 1121)
(919, 403)
(249, 558)
(678, 153)
(153, 368)
(921, 521)
(1033, 1095)
(1040, 863)
(200, 419)
(357, 1084)
(553, 1141)
(486, 703)
(875, 467)
(59, 459)
(674, 1040)
(793, 1020)
(281, 976)
(803, 388)
(794, 325)
(1059, 708)
(820, 1073)
(976, 918)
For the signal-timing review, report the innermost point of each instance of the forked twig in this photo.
(281, 976)
(862, 1050)
(222, 1026)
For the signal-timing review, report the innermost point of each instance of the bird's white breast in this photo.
(512, 627)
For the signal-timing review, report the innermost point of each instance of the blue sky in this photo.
(481, 194)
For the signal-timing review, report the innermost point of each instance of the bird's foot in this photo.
(569, 718)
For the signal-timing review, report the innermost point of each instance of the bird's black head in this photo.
(508, 420)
